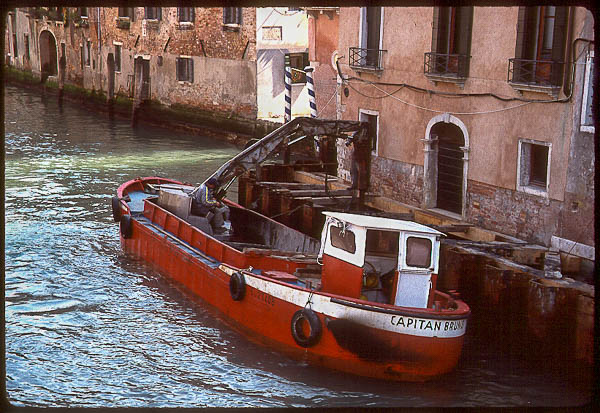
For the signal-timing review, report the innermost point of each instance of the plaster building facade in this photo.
(281, 40)
(490, 126)
(202, 58)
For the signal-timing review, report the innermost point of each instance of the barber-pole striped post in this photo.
(311, 91)
(288, 90)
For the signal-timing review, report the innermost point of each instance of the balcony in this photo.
(368, 60)
(443, 67)
(536, 75)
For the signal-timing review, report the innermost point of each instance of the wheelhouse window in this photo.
(232, 15)
(382, 243)
(185, 14)
(418, 252)
(541, 42)
(534, 161)
(450, 42)
(153, 13)
(344, 240)
(185, 69)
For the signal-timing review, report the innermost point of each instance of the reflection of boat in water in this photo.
(362, 300)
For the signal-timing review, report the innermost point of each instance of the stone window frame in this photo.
(587, 97)
(369, 112)
(189, 69)
(524, 170)
(118, 62)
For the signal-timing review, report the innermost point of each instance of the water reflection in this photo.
(87, 325)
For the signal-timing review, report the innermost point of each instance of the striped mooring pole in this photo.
(311, 91)
(288, 90)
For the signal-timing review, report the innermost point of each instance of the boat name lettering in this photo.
(262, 296)
(417, 323)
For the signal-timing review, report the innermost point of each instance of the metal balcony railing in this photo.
(446, 65)
(535, 72)
(366, 58)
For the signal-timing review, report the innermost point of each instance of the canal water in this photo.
(87, 325)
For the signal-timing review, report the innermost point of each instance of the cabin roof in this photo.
(382, 223)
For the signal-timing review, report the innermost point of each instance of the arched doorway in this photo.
(48, 54)
(449, 166)
(446, 164)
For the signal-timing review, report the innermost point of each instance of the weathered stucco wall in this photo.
(494, 127)
(271, 53)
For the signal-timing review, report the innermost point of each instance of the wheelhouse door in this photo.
(417, 262)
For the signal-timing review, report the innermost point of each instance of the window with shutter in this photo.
(185, 69)
(153, 13)
(541, 42)
(232, 15)
(185, 14)
(587, 120)
(450, 42)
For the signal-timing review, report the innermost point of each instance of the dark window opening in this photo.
(83, 12)
(126, 12)
(117, 58)
(88, 52)
(15, 50)
(418, 252)
(185, 14)
(27, 55)
(343, 240)
(153, 13)
(232, 15)
(297, 63)
(185, 69)
(372, 129)
(539, 165)
(382, 243)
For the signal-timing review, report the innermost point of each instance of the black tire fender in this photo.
(237, 286)
(315, 327)
(126, 226)
(116, 208)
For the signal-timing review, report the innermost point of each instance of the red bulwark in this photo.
(341, 278)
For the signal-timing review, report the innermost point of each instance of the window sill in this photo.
(549, 90)
(185, 26)
(231, 27)
(533, 190)
(587, 128)
(447, 78)
(368, 69)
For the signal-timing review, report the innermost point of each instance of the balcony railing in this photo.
(454, 66)
(544, 73)
(366, 58)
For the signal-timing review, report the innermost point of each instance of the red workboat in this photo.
(360, 300)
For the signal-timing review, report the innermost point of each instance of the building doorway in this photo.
(446, 164)
(450, 166)
(48, 55)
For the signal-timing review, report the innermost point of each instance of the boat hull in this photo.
(357, 337)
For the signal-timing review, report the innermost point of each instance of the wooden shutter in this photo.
(519, 47)
(190, 65)
(464, 28)
(159, 13)
(238, 20)
(177, 63)
(436, 24)
(558, 44)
